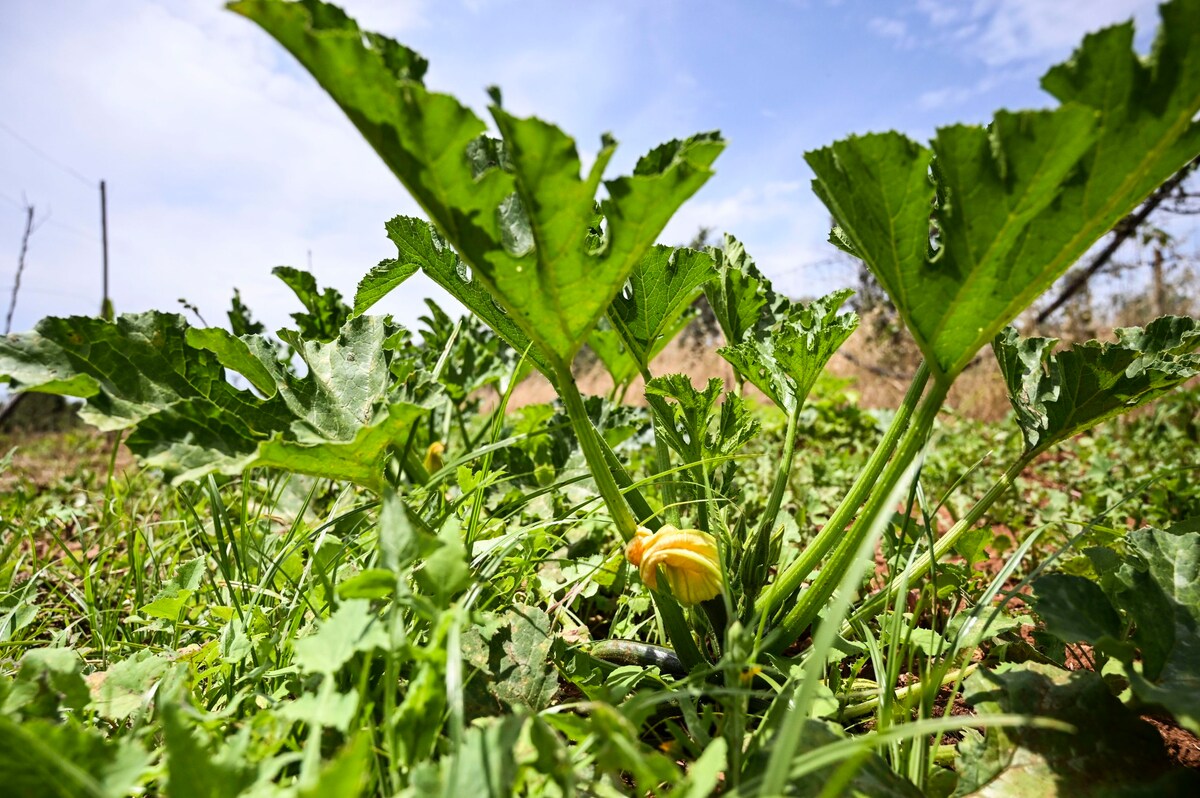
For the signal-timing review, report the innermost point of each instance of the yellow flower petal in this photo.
(688, 558)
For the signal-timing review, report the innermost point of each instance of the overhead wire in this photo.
(75, 173)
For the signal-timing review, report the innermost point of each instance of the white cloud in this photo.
(223, 159)
(893, 29)
(1000, 32)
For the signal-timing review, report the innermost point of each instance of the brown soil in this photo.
(879, 368)
(42, 459)
(1182, 746)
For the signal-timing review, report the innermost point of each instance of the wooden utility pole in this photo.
(12, 305)
(106, 310)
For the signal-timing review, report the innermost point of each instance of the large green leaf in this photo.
(1060, 394)
(785, 359)
(967, 234)
(152, 374)
(662, 286)
(518, 211)
(1110, 749)
(1166, 608)
(1157, 589)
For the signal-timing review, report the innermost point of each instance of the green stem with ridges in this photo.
(674, 622)
(622, 515)
(662, 465)
(798, 570)
(809, 603)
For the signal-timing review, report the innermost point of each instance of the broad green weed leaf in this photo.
(515, 659)
(1112, 748)
(484, 765)
(47, 679)
(326, 707)
(967, 234)
(353, 628)
(444, 571)
(126, 687)
(1059, 394)
(373, 583)
(345, 774)
(785, 360)
(43, 758)
(194, 769)
(419, 716)
(173, 597)
(662, 286)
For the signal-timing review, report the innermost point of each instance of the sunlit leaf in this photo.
(1059, 394)
(742, 299)
(785, 360)
(520, 211)
(47, 679)
(125, 688)
(967, 234)
(167, 382)
(353, 628)
(661, 287)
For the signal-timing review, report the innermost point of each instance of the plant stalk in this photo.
(799, 569)
(760, 544)
(619, 508)
(674, 622)
(804, 611)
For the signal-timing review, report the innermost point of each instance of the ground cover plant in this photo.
(373, 576)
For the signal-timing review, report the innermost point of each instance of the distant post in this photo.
(106, 309)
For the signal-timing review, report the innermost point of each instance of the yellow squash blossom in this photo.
(688, 558)
(433, 456)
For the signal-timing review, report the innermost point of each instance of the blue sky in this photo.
(224, 159)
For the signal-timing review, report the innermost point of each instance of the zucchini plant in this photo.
(963, 233)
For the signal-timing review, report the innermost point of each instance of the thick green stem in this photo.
(907, 695)
(674, 622)
(923, 564)
(799, 569)
(617, 506)
(662, 465)
(806, 608)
